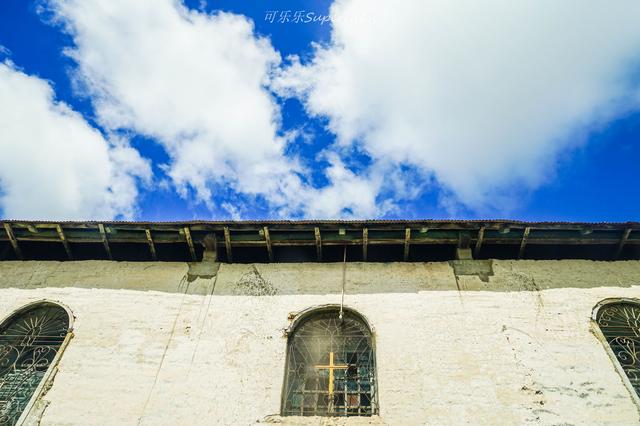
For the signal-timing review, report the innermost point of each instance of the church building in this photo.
(427, 322)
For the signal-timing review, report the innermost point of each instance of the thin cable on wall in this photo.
(204, 319)
(166, 347)
(344, 278)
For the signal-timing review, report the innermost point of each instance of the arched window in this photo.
(619, 321)
(30, 339)
(330, 367)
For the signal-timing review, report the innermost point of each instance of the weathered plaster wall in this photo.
(450, 350)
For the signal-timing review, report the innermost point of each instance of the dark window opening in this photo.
(29, 343)
(620, 325)
(330, 367)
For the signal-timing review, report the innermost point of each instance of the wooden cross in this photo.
(331, 366)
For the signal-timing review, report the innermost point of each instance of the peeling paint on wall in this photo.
(253, 284)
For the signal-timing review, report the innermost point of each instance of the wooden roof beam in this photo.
(479, 241)
(267, 240)
(13, 240)
(105, 240)
(192, 250)
(152, 246)
(316, 231)
(523, 242)
(365, 243)
(65, 243)
(407, 242)
(227, 244)
(623, 241)
(586, 230)
(210, 244)
(161, 237)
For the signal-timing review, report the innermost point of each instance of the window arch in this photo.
(619, 322)
(330, 366)
(31, 340)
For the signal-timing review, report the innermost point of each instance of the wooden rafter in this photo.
(192, 249)
(297, 239)
(464, 240)
(523, 242)
(407, 242)
(210, 244)
(617, 236)
(623, 241)
(316, 232)
(365, 243)
(480, 240)
(267, 240)
(65, 243)
(105, 240)
(227, 244)
(586, 230)
(152, 246)
(13, 240)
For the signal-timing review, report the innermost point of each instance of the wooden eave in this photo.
(271, 235)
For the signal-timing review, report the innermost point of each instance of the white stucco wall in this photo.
(517, 349)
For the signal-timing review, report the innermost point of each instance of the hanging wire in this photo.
(344, 277)
(204, 319)
(166, 347)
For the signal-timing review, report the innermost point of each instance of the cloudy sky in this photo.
(168, 110)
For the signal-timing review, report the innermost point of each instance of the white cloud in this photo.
(480, 95)
(346, 195)
(53, 164)
(199, 85)
(194, 82)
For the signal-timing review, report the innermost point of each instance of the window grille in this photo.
(330, 367)
(620, 325)
(29, 342)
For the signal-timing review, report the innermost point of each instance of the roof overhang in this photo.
(310, 240)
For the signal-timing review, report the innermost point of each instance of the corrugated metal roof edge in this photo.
(628, 224)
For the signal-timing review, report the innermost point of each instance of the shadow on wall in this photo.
(275, 279)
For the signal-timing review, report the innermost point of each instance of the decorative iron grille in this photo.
(330, 368)
(620, 324)
(29, 342)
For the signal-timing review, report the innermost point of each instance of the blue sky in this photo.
(219, 109)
